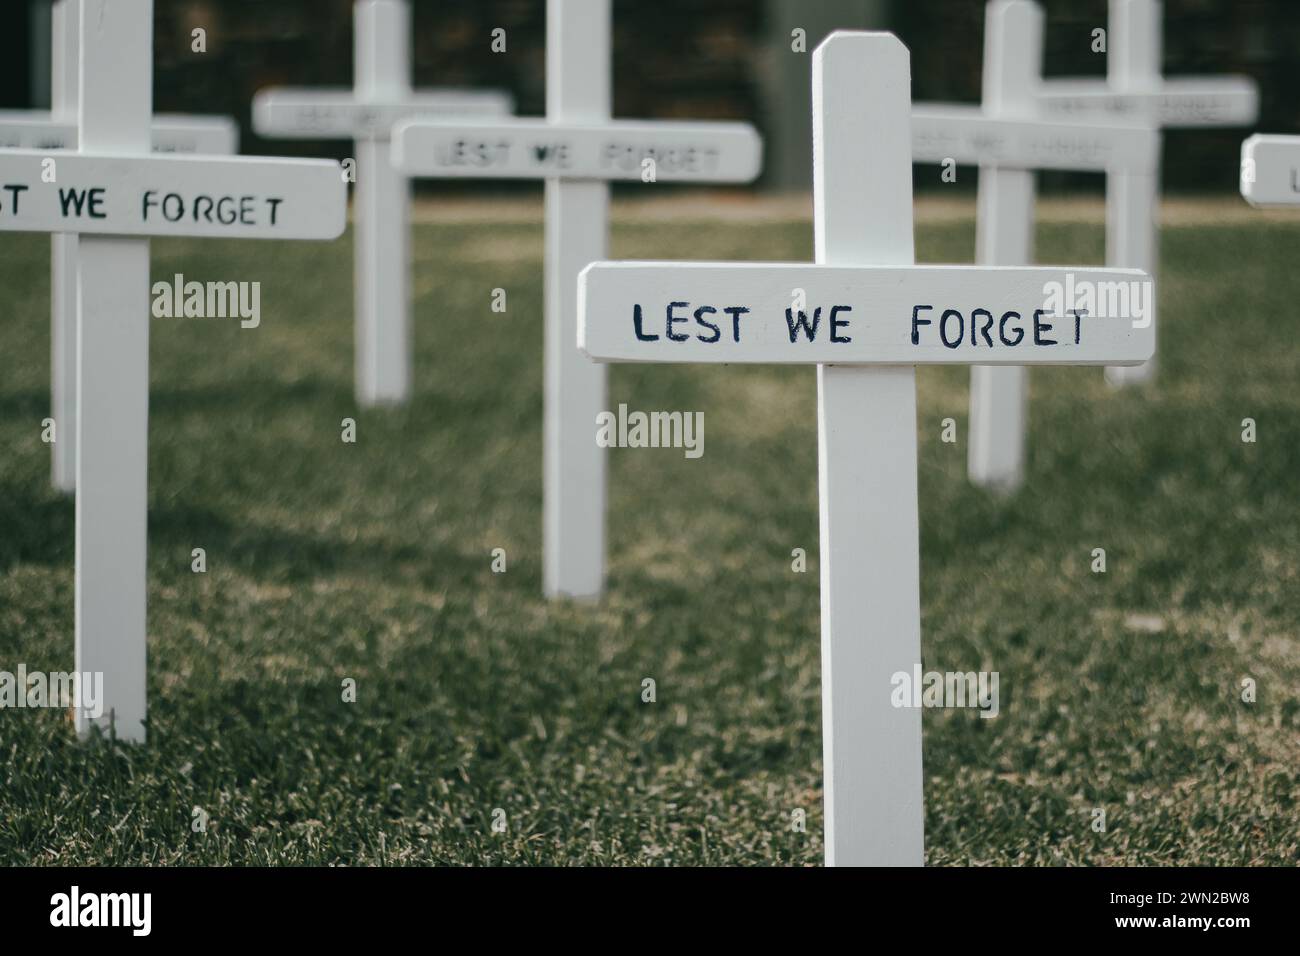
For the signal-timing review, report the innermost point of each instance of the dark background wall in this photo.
(707, 59)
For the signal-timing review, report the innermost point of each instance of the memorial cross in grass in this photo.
(381, 96)
(1135, 90)
(577, 149)
(865, 314)
(57, 129)
(114, 194)
(1008, 140)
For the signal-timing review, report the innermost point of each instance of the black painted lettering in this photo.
(636, 326)
(226, 210)
(700, 320)
(1078, 322)
(15, 190)
(1002, 329)
(837, 324)
(76, 199)
(802, 322)
(943, 328)
(735, 311)
(1040, 328)
(917, 322)
(671, 319)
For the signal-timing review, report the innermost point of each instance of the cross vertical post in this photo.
(866, 427)
(65, 62)
(578, 79)
(115, 109)
(382, 67)
(1013, 40)
(1132, 198)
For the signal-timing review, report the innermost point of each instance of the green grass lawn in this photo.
(371, 561)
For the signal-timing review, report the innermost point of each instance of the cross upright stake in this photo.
(382, 64)
(866, 466)
(871, 315)
(114, 108)
(578, 81)
(64, 30)
(1132, 200)
(1004, 236)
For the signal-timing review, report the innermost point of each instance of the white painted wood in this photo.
(999, 396)
(578, 90)
(971, 136)
(890, 315)
(284, 112)
(65, 65)
(1133, 197)
(866, 466)
(37, 129)
(1132, 238)
(611, 150)
(1133, 62)
(169, 132)
(1135, 90)
(1179, 103)
(381, 96)
(115, 103)
(187, 133)
(1270, 170)
(115, 193)
(382, 68)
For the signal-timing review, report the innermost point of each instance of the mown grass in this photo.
(371, 561)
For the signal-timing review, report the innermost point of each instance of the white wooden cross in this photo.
(871, 315)
(1008, 140)
(114, 194)
(382, 95)
(577, 149)
(1134, 89)
(33, 129)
